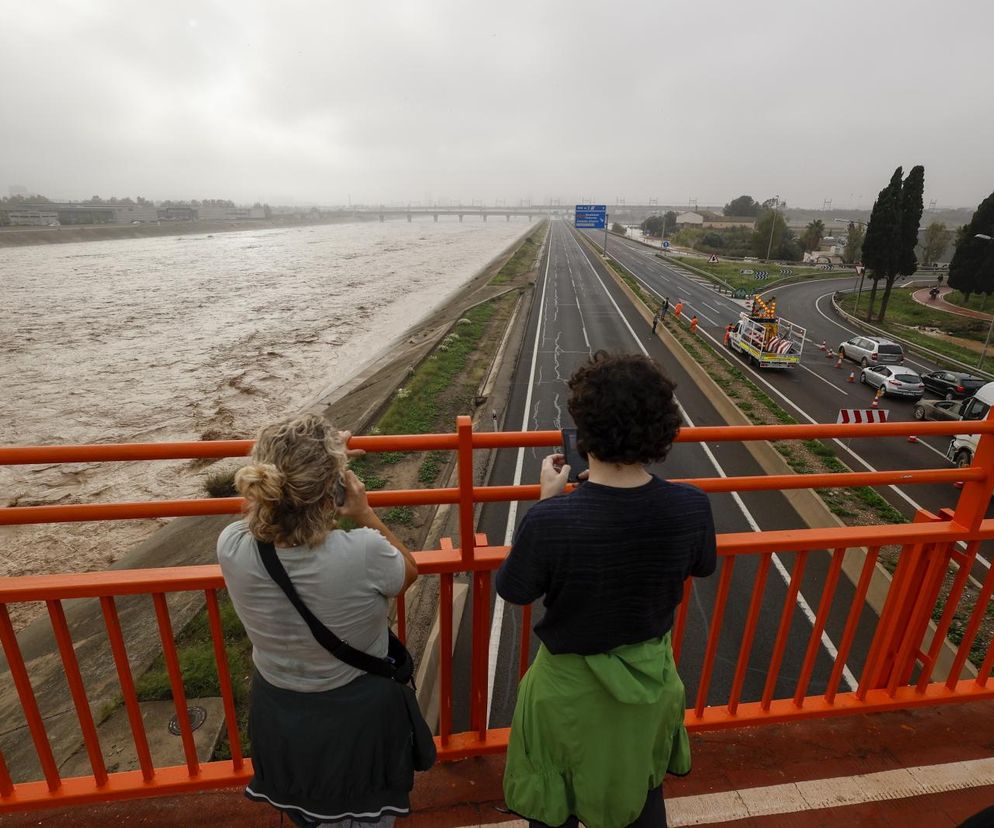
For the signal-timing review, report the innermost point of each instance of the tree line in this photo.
(893, 240)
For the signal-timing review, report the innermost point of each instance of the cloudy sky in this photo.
(322, 102)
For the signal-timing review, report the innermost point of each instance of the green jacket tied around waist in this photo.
(592, 734)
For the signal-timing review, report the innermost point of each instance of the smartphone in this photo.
(339, 493)
(574, 460)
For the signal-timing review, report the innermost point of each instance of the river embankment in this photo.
(217, 337)
(69, 234)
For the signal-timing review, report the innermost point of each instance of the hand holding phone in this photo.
(574, 460)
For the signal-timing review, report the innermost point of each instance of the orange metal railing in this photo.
(902, 655)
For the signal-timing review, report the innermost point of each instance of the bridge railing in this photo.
(899, 653)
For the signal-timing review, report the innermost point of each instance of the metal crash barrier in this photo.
(898, 667)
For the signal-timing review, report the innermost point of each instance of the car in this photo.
(939, 410)
(869, 350)
(952, 385)
(963, 446)
(897, 382)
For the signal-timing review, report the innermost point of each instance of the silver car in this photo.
(898, 381)
(872, 350)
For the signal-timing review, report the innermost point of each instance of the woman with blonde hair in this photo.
(332, 744)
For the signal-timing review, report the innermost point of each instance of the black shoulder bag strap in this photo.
(341, 650)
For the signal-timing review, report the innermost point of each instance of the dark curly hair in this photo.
(624, 409)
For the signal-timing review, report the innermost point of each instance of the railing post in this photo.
(481, 580)
(467, 533)
(976, 494)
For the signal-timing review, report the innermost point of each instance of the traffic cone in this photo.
(912, 438)
(874, 403)
(852, 377)
(958, 484)
(823, 345)
(828, 353)
(839, 363)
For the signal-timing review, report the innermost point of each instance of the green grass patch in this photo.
(978, 301)
(905, 318)
(731, 272)
(430, 467)
(195, 650)
(524, 257)
(415, 407)
(399, 516)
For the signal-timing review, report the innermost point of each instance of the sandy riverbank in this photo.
(25, 236)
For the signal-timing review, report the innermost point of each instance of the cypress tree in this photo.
(972, 267)
(905, 261)
(879, 244)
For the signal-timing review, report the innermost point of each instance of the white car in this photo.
(896, 380)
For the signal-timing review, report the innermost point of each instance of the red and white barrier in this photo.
(862, 415)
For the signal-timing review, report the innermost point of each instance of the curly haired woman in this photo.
(599, 716)
(331, 744)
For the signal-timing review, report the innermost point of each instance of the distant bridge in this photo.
(486, 212)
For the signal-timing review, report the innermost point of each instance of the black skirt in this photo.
(350, 752)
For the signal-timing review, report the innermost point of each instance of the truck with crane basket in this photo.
(765, 339)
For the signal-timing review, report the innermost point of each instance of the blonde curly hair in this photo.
(289, 484)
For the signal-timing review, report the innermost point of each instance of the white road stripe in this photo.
(497, 621)
(827, 382)
(801, 601)
(851, 332)
(711, 307)
(816, 794)
(804, 414)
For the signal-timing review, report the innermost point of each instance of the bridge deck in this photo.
(923, 767)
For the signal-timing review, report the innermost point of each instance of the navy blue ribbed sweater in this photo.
(610, 562)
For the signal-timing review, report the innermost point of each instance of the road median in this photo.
(744, 403)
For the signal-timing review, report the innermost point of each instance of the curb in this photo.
(808, 505)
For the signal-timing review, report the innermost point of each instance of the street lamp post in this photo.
(773, 225)
(987, 341)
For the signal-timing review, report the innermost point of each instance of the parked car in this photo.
(898, 382)
(952, 385)
(869, 350)
(963, 446)
(939, 410)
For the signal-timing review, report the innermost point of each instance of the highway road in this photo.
(817, 390)
(576, 310)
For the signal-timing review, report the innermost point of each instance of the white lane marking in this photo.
(858, 458)
(711, 307)
(698, 312)
(801, 601)
(496, 623)
(827, 382)
(857, 333)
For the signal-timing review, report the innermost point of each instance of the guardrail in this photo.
(887, 662)
(913, 347)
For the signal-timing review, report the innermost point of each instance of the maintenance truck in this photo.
(766, 340)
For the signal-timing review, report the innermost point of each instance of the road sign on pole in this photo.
(590, 216)
(666, 245)
(713, 259)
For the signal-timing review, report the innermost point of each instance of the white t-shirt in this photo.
(345, 581)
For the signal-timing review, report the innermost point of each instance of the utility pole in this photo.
(773, 225)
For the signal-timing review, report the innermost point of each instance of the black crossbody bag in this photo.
(398, 664)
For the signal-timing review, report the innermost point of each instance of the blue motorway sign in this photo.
(591, 216)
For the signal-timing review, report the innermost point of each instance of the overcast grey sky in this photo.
(317, 102)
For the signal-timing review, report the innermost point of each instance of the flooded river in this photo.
(195, 338)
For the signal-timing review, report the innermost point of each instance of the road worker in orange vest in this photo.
(728, 333)
(693, 324)
(678, 309)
